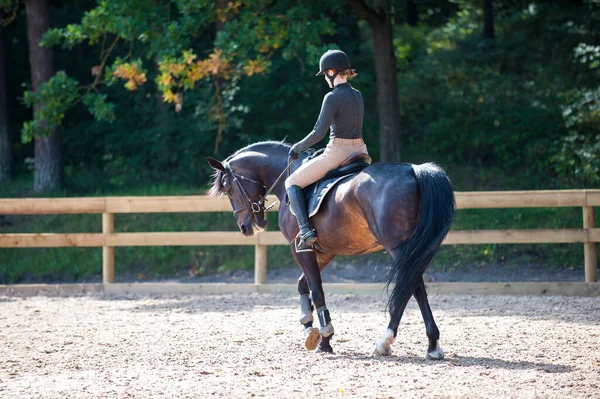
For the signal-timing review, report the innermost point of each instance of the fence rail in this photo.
(589, 236)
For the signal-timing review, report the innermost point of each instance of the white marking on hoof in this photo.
(437, 353)
(382, 351)
(384, 347)
(312, 338)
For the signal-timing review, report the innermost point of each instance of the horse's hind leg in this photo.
(434, 351)
(384, 347)
(433, 333)
(312, 336)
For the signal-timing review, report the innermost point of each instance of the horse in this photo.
(402, 208)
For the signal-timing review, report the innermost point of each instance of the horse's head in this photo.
(245, 193)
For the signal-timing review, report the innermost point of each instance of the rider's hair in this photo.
(348, 73)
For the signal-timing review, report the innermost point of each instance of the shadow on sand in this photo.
(458, 361)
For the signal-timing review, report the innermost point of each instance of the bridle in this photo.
(254, 206)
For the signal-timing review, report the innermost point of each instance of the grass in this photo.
(141, 263)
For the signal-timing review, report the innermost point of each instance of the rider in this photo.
(342, 111)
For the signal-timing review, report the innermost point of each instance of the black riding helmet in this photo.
(334, 59)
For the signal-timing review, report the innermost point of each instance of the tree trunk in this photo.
(412, 13)
(380, 22)
(220, 6)
(488, 19)
(6, 150)
(390, 142)
(48, 158)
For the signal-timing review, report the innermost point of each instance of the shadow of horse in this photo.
(458, 361)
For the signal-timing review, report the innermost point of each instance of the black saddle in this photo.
(316, 192)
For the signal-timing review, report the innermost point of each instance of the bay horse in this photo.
(402, 208)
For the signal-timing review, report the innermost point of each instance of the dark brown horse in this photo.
(403, 208)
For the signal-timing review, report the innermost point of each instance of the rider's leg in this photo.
(310, 172)
(305, 175)
(315, 169)
(298, 206)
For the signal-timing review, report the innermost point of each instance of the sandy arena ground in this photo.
(242, 346)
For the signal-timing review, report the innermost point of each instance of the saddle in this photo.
(316, 192)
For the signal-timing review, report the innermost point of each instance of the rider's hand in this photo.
(294, 153)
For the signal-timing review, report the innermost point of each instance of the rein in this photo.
(256, 206)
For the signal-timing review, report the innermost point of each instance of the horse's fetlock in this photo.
(388, 338)
(306, 309)
(306, 318)
(326, 331)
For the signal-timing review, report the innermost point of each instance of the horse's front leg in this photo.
(309, 265)
(312, 336)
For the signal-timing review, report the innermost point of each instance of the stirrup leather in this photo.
(300, 243)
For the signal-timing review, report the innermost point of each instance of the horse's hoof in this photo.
(436, 354)
(312, 338)
(324, 349)
(381, 351)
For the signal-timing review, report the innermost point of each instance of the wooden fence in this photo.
(109, 206)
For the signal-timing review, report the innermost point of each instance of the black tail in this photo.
(414, 255)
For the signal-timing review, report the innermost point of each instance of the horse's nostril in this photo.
(243, 229)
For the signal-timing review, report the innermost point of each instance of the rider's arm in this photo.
(321, 127)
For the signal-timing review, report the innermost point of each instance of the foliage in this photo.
(54, 98)
(520, 112)
(500, 103)
(579, 155)
(166, 33)
(580, 152)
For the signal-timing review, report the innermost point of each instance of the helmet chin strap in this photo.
(332, 78)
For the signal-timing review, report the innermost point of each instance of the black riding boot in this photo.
(307, 236)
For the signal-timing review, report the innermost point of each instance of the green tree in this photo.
(379, 18)
(6, 150)
(172, 35)
(412, 13)
(488, 19)
(48, 172)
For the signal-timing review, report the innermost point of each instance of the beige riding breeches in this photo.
(336, 152)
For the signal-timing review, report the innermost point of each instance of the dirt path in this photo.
(241, 346)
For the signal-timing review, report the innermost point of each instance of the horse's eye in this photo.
(226, 185)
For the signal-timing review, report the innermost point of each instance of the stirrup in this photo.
(300, 245)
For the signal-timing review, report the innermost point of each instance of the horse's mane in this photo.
(216, 189)
(258, 147)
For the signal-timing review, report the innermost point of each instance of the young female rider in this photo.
(342, 111)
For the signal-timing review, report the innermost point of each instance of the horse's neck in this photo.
(271, 169)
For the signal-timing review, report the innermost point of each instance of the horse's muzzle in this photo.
(246, 230)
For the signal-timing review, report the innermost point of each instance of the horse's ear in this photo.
(215, 164)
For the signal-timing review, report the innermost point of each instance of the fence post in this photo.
(589, 248)
(108, 253)
(260, 262)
